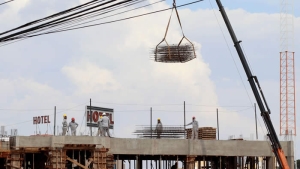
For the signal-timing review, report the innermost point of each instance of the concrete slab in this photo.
(133, 146)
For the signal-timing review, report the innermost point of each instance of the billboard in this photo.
(93, 115)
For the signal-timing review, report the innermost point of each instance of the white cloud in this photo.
(89, 78)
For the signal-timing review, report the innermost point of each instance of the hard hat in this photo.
(73, 119)
(193, 117)
(103, 114)
(65, 115)
(158, 119)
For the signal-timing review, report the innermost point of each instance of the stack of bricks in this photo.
(204, 133)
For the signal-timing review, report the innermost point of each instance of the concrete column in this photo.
(290, 160)
(220, 162)
(242, 163)
(141, 162)
(32, 160)
(270, 162)
(252, 163)
(159, 165)
(204, 162)
(235, 162)
(137, 162)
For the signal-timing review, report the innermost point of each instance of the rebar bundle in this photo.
(167, 132)
(174, 53)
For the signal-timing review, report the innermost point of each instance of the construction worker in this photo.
(64, 125)
(159, 128)
(195, 125)
(105, 125)
(73, 126)
(100, 127)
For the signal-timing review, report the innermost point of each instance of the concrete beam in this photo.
(133, 146)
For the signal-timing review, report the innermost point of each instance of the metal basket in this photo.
(174, 53)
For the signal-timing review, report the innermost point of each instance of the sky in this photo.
(111, 65)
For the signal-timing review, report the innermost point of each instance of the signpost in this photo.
(40, 120)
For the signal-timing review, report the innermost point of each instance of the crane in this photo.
(258, 94)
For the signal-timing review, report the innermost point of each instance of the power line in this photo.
(88, 8)
(50, 115)
(22, 36)
(5, 2)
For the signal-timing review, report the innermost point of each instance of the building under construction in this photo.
(64, 152)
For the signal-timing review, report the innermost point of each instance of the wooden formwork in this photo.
(57, 159)
(99, 159)
(190, 162)
(14, 160)
(102, 159)
(204, 133)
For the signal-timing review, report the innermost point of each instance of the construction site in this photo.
(64, 152)
(171, 147)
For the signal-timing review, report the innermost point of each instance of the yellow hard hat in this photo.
(158, 119)
(65, 115)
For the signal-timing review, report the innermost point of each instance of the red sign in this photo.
(41, 119)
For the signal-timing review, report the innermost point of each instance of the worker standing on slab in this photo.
(159, 128)
(195, 125)
(105, 125)
(100, 127)
(64, 125)
(73, 126)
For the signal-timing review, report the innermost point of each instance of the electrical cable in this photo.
(84, 115)
(235, 64)
(113, 14)
(45, 26)
(6, 2)
(50, 17)
(50, 32)
(231, 54)
(137, 104)
(162, 10)
(59, 20)
(75, 20)
(49, 115)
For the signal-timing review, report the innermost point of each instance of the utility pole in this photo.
(255, 121)
(218, 123)
(91, 117)
(54, 119)
(151, 121)
(184, 117)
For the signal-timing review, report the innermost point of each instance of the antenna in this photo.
(287, 71)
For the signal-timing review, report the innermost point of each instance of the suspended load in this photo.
(179, 53)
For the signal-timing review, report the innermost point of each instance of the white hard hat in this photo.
(103, 114)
